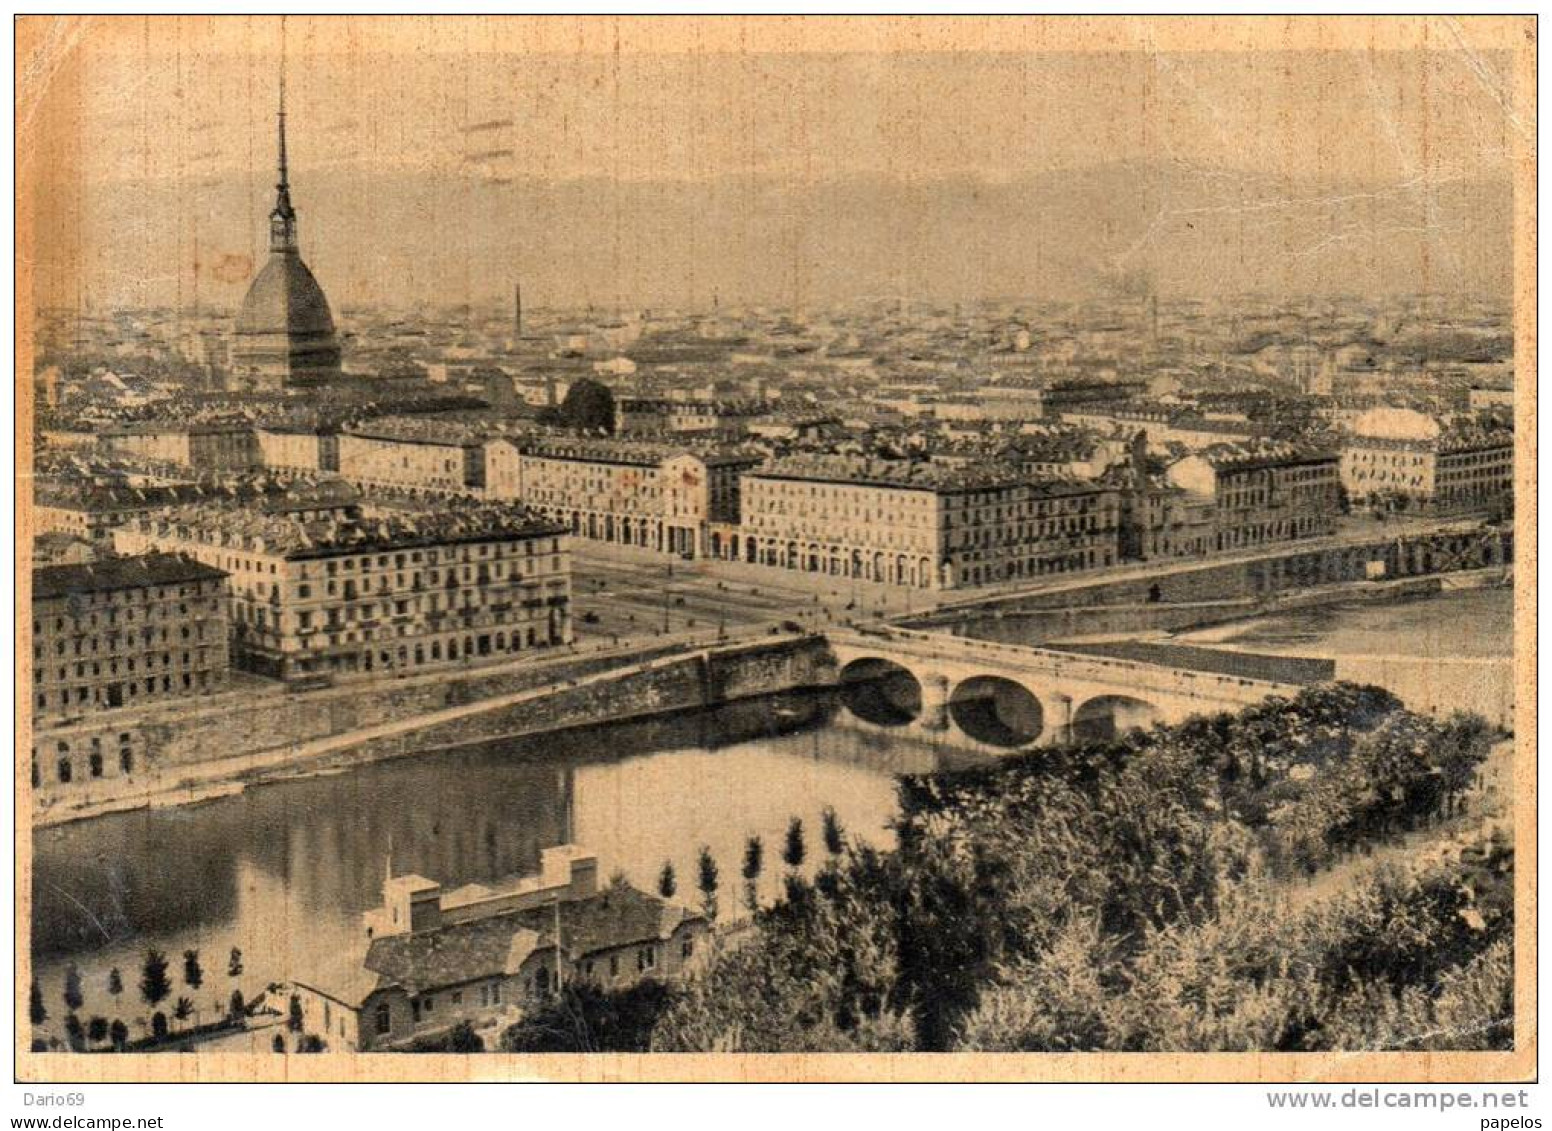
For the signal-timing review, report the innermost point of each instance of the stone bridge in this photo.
(1006, 697)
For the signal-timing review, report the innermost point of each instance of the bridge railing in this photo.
(1196, 683)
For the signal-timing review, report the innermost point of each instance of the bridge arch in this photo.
(881, 691)
(997, 711)
(1105, 717)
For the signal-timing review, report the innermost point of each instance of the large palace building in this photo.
(285, 333)
(922, 525)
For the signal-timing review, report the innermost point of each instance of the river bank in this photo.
(465, 714)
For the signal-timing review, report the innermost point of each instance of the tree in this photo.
(237, 1008)
(234, 965)
(35, 1008)
(294, 1014)
(588, 407)
(754, 864)
(159, 1026)
(154, 985)
(193, 973)
(311, 1043)
(115, 984)
(278, 1044)
(74, 998)
(794, 851)
(184, 1009)
(463, 1038)
(588, 1018)
(74, 1033)
(118, 1033)
(97, 1030)
(706, 880)
(834, 833)
(667, 884)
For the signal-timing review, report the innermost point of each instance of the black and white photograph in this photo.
(770, 547)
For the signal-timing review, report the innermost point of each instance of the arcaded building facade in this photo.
(651, 496)
(919, 524)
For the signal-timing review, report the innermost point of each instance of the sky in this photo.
(588, 155)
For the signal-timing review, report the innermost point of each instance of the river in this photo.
(1458, 624)
(283, 871)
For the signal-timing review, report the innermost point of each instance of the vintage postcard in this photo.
(767, 548)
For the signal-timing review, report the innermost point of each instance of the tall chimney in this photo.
(517, 309)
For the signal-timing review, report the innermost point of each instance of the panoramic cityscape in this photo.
(1124, 663)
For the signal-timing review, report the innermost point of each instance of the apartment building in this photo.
(360, 589)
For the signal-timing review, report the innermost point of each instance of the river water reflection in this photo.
(283, 871)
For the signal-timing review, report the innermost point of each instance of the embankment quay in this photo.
(986, 696)
(1417, 550)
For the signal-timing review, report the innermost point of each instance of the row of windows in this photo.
(74, 623)
(1026, 532)
(111, 643)
(398, 560)
(64, 768)
(1035, 566)
(143, 595)
(483, 574)
(96, 667)
(120, 693)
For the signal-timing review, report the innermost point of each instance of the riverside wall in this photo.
(277, 736)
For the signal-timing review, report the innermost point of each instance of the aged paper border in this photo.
(43, 50)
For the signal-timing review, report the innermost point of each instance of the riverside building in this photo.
(920, 524)
(125, 631)
(321, 592)
(1257, 494)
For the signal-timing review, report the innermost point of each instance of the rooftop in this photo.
(618, 916)
(639, 453)
(1265, 454)
(119, 573)
(915, 475)
(422, 430)
(295, 536)
(116, 498)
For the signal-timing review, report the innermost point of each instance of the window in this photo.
(64, 770)
(384, 1018)
(95, 763)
